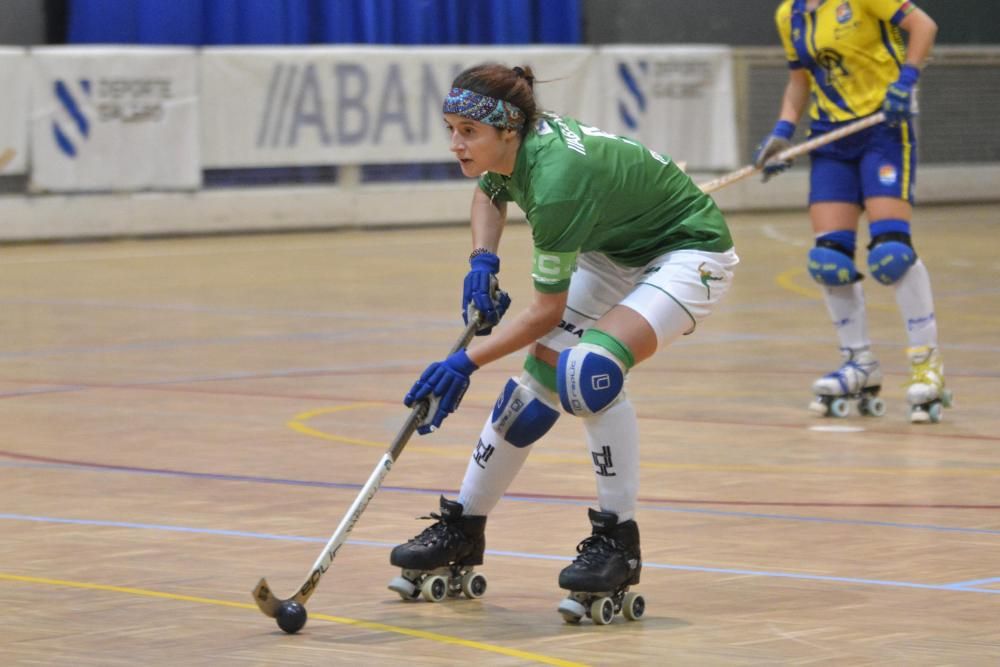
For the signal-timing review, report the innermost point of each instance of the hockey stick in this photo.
(262, 595)
(794, 152)
(6, 156)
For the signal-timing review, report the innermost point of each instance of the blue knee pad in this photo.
(890, 253)
(520, 417)
(589, 379)
(831, 261)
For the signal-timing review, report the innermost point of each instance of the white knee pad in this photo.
(590, 379)
(521, 415)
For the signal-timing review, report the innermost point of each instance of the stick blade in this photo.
(265, 599)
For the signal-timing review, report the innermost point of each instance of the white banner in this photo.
(356, 105)
(114, 118)
(14, 110)
(677, 100)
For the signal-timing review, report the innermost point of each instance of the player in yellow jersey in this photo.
(847, 60)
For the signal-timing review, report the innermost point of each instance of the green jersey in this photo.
(585, 190)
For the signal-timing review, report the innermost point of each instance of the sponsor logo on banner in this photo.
(122, 100)
(644, 81)
(345, 105)
(75, 125)
(633, 103)
(887, 174)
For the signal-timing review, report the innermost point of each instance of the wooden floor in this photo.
(181, 417)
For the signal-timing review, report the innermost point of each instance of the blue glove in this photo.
(900, 103)
(482, 291)
(779, 140)
(443, 384)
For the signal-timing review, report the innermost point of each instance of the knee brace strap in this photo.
(520, 416)
(590, 379)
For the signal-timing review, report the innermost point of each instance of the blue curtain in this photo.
(220, 22)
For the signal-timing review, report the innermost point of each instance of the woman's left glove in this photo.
(900, 102)
(443, 384)
(482, 290)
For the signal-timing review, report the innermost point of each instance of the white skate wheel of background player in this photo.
(837, 429)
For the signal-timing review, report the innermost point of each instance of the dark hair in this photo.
(511, 84)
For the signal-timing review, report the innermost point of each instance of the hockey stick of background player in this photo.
(6, 156)
(795, 151)
(290, 613)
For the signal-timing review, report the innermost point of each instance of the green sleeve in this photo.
(558, 231)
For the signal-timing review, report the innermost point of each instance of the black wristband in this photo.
(477, 252)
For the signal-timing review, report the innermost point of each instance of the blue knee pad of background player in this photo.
(890, 260)
(890, 253)
(589, 379)
(520, 417)
(831, 261)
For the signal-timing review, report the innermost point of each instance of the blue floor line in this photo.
(963, 587)
(530, 499)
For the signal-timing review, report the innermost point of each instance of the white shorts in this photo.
(674, 292)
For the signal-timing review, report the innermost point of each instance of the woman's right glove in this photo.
(779, 140)
(481, 290)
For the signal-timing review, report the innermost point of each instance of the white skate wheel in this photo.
(434, 588)
(572, 611)
(875, 407)
(935, 412)
(473, 585)
(839, 408)
(602, 611)
(634, 606)
(406, 588)
(946, 398)
(918, 415)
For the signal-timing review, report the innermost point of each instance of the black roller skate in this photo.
(438, 562)
(599, 578)
(858, 379)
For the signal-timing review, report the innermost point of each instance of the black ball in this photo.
(291, 616)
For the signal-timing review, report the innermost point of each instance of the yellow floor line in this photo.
(381, 627)
(540, 457)
(789, 280)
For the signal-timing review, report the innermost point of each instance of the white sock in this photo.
(916, 304)
(613, 437)
(846, 305)
(492, 467)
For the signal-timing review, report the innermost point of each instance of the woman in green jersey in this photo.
(628, 255)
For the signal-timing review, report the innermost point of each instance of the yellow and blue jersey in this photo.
(852, 48)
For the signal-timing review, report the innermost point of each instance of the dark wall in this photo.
(751, 22)
(735, 22)
(22, 22)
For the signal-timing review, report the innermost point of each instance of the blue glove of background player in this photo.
(444, 384)
(780, 139)
(481, 290)
(900, 103)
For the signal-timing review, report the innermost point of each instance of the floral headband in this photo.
(483, 108)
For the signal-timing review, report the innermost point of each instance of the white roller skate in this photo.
(438, 562)
(925, 390)
(859, 378)
(599, 578)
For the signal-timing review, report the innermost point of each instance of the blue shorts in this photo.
(880, 161)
